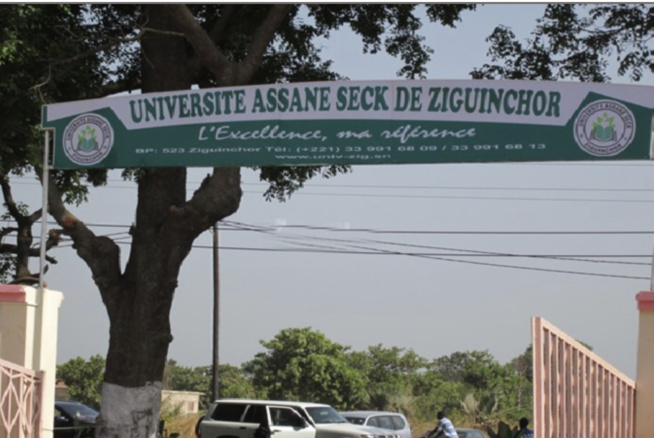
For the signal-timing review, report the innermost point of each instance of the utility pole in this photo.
(216, 314)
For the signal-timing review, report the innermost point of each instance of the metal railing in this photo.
(20, 401)
(576, 393)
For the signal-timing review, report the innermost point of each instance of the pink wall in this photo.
(577, 393)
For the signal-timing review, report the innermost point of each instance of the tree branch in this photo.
(7, 231)
(102, 47)
(226, 72)
(218, 196)
(35, 216)
(262, 38)
(205, 49)
(8, 248)
(215, 34)
(219, 28)
(10, 202)
(101, 254)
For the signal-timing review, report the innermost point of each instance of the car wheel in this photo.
(198, 433)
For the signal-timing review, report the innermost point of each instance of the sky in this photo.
(455, 299)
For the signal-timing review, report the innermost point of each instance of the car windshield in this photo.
(325, 414)
(80, 410)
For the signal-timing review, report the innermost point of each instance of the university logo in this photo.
(88, 139)
(604, 128)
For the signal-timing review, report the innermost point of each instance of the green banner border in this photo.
(389, 126)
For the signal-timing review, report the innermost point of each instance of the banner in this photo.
(356, 122)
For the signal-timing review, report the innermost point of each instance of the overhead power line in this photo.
(395, 187)
(559, 271)
(454, 252)
(306, 191)
(123, 237)
(479, 198)
(240, 226)
(316, 244)
(472, 232)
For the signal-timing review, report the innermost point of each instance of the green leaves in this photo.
(497, 389)
(302, 364)
(576, 42)
(84, 379)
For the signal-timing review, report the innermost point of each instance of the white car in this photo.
(242, 418)
(393, 421)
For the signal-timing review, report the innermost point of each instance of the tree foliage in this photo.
(471, 385)
(36, 49)
(523, 364)
(35, 69)
(389, 376)
(576, 42)
(302, 364)
(233, 381)
(83, 379)
(195, 379)
(489, 389)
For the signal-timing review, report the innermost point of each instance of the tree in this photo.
(234, 383)
(35, 65)
(196, 379)
(389, 374)
(480, 408)
(433, 393)
(83, 379)
(212, 46)
(451, 367)
(488, 388)
(578, 42)
(302, 364)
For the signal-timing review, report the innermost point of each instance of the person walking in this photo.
(524, 431)
(444, 427)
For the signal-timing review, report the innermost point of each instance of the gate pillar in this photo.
(29, 320)
(645, 366)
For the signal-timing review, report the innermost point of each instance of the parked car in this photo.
(385, 420)
(242, 418)
(74, 420)
(470, 433)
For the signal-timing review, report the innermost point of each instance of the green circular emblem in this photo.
(604, 128)
(88, 139)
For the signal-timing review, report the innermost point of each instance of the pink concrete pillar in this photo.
(29, 319)
(17, 325)
(645, 366)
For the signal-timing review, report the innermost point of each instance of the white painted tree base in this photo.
(129, 412)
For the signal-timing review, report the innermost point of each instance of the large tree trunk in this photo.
(139, 303)
(139, 300)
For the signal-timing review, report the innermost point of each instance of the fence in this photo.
(576, 393)
(20, 401)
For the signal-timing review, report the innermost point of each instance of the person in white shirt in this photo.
(444, 427)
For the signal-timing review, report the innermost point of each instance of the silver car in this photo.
(244, 418)
(385, 420)
(470, 433)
